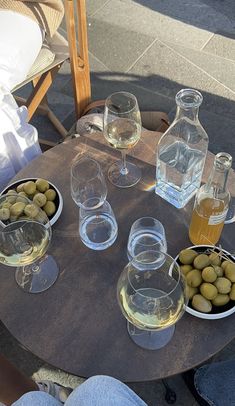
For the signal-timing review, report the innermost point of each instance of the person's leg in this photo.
(103, 391)
(13, 384)
(37, 399)
(215, 383)
(20, 42)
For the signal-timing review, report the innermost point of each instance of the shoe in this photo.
(58, 392)
(189, 380)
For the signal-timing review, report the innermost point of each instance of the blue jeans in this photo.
(215, 383)
(96, 391)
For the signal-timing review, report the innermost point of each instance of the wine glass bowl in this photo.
(146, 234)
(152, 297)
(122, 130)
(88, 186)
(25, 235)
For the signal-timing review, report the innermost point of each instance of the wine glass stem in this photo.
(124, 170)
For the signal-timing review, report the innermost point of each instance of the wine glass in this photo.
(152, 297)
(146, 234)
(25, 235)
(122, 130)
(88, 186)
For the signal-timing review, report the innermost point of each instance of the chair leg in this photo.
(38, 101)
(170, 395)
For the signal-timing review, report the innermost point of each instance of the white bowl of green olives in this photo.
(210, 277)
(42, 192)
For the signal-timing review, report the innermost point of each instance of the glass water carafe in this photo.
(211, 204)
(182, 151)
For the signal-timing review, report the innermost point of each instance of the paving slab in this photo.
(93, 6)
(101, 34)
(217, 67)
(222, 45)
(195, 13)
(129, 15)
(165, 71)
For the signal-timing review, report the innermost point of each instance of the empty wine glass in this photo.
(122, 130)
(98, 228)
(88, 187)
(146, 234)
(25, 235)
(152, 298)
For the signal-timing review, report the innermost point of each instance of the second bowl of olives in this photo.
(210, 276)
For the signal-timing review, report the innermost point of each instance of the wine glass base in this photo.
(150, 340)
(124, 180)
(37, 277)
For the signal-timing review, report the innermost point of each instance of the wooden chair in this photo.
(78, 50)
(49, 61)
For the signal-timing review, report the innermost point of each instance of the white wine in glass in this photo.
(152, 297)
(122, 130)
(30, 243)
(25, 235)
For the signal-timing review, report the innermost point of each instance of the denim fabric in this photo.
(216, 383)
(96, 391)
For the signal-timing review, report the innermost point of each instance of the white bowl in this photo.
(217, 312)
(58, 199)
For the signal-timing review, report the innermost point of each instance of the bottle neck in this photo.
(218, 180)
(187, 113)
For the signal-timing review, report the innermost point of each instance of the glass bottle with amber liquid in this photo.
(211, 204)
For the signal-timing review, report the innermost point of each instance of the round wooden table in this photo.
(77, 325)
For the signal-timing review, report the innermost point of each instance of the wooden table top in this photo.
(77, 325)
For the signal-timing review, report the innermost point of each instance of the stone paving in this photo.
(152, 49)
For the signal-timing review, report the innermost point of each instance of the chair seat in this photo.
(44, 59)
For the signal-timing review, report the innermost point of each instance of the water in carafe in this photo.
(181, 152)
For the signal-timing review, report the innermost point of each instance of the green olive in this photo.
(214, 258)
(29, 187)
(201, 304)
(209, 274)
(185, 269)
(40, 199)
(42, 185)
(219, 271)
(11, 192)
(49, 208)
(4, 213)
(11, 198)
(194, 278)
(230, 272)
(225, 263)
(6, 205)
(232, 292)
(223, 285)
(187, 256)
(220, 300)
(201, 261)
(20, 188)
(50, 194)
(208, 291)
(31, 210)
(17, 209)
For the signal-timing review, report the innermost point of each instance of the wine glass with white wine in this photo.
(152, 297)
(122, 130)
(25, 235)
